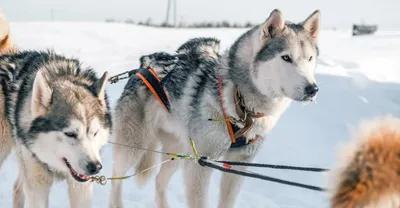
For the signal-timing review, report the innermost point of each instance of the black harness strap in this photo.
(240, 141)
(153, 83)
(204, 162)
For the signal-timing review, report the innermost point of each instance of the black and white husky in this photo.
(55, 115)
(265, 69)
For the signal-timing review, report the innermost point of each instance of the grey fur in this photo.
(192, 85)
(74, 95)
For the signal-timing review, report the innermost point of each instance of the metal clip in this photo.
(99, 179)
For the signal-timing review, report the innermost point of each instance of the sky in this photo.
(335, 13)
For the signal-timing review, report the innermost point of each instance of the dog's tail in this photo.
(147, 161)
(5, 40)
(369, 176)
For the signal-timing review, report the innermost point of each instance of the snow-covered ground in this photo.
(358, 78)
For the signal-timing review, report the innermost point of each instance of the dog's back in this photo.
(369, 173)
(188, 56)
(191, 51)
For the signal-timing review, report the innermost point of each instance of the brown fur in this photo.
(371, 175)
(6, 46)
(6, 140)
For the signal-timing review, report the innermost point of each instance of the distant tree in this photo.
(225, 24)
(110, 20)
(129, 21)
(248, 24)
(236, 25)
(148, 21)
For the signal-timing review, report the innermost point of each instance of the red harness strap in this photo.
(227, 121)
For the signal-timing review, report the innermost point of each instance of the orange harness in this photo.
(153, 82)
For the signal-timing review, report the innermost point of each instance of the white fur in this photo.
(52, 151)
(174, 130)
(34, 182)
(41, 95)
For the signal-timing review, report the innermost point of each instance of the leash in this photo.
(224, 166)
(102, 180)
(281, 167)
(245, 117)
(203, 161)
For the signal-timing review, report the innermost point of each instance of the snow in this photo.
(358, 78)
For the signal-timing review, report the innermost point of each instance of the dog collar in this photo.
(246, 118)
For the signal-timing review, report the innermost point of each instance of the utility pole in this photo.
(168, 8)
(174, 13)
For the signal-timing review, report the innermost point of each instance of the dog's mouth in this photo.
(312, 98)
(301, 99)
(76, 175)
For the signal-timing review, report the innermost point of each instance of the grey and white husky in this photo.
(267, 67)
(56, 116)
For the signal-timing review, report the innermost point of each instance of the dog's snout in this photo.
(311, 90)
(94, 167)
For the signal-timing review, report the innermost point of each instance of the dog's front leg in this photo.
(80, 194)
(231, 183)
(18, 195)
(197, 179)
(36, 182)
(37, 194)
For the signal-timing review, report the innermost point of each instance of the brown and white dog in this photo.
(368, 174)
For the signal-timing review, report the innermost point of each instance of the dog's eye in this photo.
(287, 58)
(71, 134)
(310, 58)
(95, 133)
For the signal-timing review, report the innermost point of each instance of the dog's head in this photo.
(71, 122)
(287, 59)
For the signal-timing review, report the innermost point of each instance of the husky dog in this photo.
(368, 172)
(56, 116)
(268, 66)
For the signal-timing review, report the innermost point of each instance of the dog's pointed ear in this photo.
(100, 86)
(41, 95)
(312, 24)
(274, 24)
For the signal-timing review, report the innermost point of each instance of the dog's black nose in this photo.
(94, 167)
(311, 90)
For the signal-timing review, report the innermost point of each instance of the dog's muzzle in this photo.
(311, 90)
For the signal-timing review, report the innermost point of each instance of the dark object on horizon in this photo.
(362, 29)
